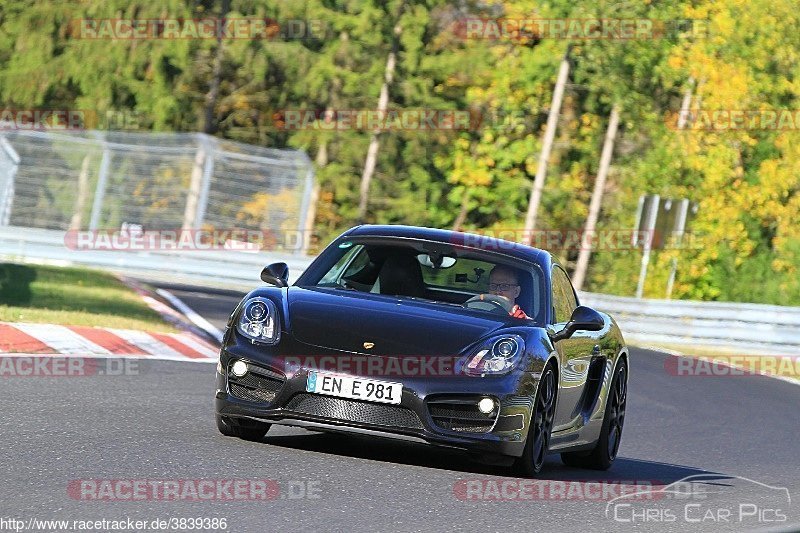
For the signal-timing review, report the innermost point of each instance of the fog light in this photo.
(239, 368)
(486, 405)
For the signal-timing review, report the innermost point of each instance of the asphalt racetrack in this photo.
(721, 453)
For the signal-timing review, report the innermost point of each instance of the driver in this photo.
(504, 281)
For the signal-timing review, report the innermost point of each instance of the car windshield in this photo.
(418, 270)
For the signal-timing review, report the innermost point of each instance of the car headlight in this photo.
(498, 355)
(258, 321)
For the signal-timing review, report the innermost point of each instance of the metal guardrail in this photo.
(230, 269)
(744, 328)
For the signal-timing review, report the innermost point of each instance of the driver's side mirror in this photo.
(583, 319)
(276, 274)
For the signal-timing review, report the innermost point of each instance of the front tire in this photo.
(249, 430)
(604, 453)
(538, 442)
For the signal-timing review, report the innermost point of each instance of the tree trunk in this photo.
(547, 145)
(462, 214)
(209, 118)
(311, 215)
(683, 117)
(383, 104)
(597, 199)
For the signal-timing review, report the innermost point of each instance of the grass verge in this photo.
(72, 296)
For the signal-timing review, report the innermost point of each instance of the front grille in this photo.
(458, 414)
(354, 411)
(258, 385)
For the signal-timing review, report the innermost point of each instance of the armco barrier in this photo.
(231, 269)
(743, 328)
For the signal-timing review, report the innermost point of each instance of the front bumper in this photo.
(432, 409)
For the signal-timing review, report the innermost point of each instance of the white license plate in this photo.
(370, 390)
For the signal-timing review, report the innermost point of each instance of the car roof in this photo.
(510, 249)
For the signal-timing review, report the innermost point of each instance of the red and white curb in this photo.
(17, 339)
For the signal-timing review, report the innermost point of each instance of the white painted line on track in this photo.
(191, 314)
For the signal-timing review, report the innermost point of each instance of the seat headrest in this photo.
(401, 275)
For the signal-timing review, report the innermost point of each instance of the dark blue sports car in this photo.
(435, 336)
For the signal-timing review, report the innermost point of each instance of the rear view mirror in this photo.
(276, 274)
(443, 260)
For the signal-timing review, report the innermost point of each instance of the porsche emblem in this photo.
(369, 345)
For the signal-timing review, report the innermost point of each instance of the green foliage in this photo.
(747, 182)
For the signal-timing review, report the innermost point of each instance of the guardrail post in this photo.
(639, 210)
(208, 172)
(100, 191)
(195, 188)
(680, 227)
(80, 200)
(7, 191)
(648, 243)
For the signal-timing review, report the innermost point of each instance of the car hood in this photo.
(346, 320)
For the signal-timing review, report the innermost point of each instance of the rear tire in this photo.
(538, 441)
(605, 451)
(247, 430)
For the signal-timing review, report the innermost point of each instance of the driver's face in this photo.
(505, 284)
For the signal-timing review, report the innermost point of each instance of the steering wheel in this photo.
(490, 302)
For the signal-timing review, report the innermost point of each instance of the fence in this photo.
(104, 180)
(746, 328)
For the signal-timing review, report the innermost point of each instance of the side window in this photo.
(360, 261)
(352, 258)
(563, 296)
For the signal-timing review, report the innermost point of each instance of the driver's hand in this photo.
(517, 312)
